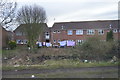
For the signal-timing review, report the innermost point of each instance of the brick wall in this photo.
(64, 36)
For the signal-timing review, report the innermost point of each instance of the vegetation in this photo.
(109, 36)
(7, 12)
(12, 44)
(54, 64)
(94, 49)
(33, 17)
(91, 52)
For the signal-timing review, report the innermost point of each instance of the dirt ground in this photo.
(89, 72)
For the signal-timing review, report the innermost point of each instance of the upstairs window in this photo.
(79, 32)
(100, 32)
(90, 32)
(47, 33)
(69, 32)
(115, 30)
(54, 31)
(58, 31)
(18, 33)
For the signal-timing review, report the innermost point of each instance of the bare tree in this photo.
(34, 17)
(7, 12)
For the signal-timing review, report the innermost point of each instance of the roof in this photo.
(103, 24)
(23, 25)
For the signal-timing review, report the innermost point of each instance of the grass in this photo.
(52, 64)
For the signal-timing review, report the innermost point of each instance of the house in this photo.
(5, 36)
(80, 31)
(20, 35)
(72, 31)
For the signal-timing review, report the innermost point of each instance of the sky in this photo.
(75, 10)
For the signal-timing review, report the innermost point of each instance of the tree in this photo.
(7, 12)
(109, 36)
(34, 17)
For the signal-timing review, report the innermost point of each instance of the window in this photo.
(100, 32)
(79, 32)
(24, 33)
(79, 42)
(21, 41)
(70, 40)
(58, 40)
(58, 31)
(46, 33)
(90, 32)
(54, 31)
(115, 30)
(18, 41)
(70, 32)
(54, 41)
(19, 33)
(25, 41)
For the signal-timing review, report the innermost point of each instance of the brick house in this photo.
(5, 36)
(73, 31)
(80, 31)
(20, 37)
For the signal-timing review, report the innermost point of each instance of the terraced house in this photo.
(80, 31)
(73, 31)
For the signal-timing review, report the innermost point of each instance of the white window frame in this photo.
(70, 32)
(47, 33)
(54, 31)
(25, 41)
(90, 32)
(58, 31)
(79, 32)
(18, 41)
(100, 32)
(115, 31)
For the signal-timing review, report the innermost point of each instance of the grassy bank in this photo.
(54, 64)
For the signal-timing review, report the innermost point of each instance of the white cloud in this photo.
(77, 10)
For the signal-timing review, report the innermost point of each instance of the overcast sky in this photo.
(75, 10)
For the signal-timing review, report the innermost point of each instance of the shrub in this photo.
(109, 36)
(94, 49)
(12, 44)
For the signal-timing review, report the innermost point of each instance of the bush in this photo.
(12, 44)
(94, 49)
(109, 36)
